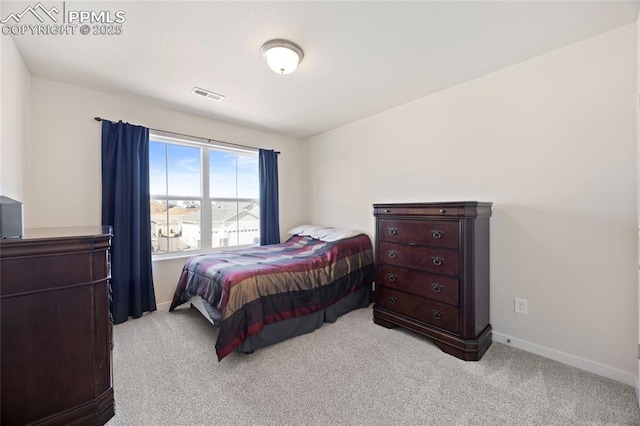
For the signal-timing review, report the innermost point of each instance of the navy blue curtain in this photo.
(125, 207)
(269, 210)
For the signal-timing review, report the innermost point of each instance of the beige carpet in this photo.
(352, 372)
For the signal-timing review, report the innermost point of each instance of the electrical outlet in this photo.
(521, 306)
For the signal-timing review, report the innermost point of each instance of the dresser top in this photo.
(37, 241)
(436, 204)
(436, 209)
(60, 232)
(66, 232)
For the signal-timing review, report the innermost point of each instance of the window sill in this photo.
(172, 256)
(188, 254)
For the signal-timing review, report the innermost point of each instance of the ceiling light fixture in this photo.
(282, 56)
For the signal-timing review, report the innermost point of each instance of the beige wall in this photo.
(15, 124)
(64, 186)
(638, 190)
(552, 142)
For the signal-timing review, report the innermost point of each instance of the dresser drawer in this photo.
(424, 210)
(24, 275)
(441, 233)
(435, 287)
(440, 261)
(425, 310)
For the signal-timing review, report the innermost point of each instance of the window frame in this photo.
(205, 199)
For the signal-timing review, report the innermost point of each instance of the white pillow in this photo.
(321, 232)
(305, 230)
(334, 234)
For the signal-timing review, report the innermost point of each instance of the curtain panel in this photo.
(125, 207)
(269, 203)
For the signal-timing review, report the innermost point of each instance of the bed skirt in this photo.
(282, 330)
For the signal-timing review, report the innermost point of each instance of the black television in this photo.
(10, 218)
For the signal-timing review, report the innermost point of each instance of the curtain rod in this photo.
(196, 137)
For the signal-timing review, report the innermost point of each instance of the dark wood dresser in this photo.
(56, 328)
(432, 273)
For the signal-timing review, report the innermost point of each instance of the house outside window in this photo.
(196, 211)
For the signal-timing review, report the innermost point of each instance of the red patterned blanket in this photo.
(261, 285)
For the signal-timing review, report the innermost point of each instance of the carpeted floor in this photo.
(352, 372)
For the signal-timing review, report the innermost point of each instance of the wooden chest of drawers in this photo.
(432, 273)
(56, 328)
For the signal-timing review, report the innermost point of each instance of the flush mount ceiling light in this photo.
(282, 56)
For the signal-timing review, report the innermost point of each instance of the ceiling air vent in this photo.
(207, 94)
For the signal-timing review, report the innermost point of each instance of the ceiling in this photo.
(360, 57)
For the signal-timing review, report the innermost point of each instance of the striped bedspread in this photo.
(261, 285)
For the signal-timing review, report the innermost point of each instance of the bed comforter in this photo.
(261, 285)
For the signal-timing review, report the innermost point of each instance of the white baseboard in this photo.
(572, 360)
(163, 306)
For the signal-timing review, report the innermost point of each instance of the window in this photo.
(192, 210)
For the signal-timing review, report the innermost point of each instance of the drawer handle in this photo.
(387, 211)
(393, 231)
(436, 234)
(437, 260)
(443, 211)
(392, 254)
(393, 300)
(392, 277)
(437, 288)
(437, 314)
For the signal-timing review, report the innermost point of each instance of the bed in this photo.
(263, 295)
